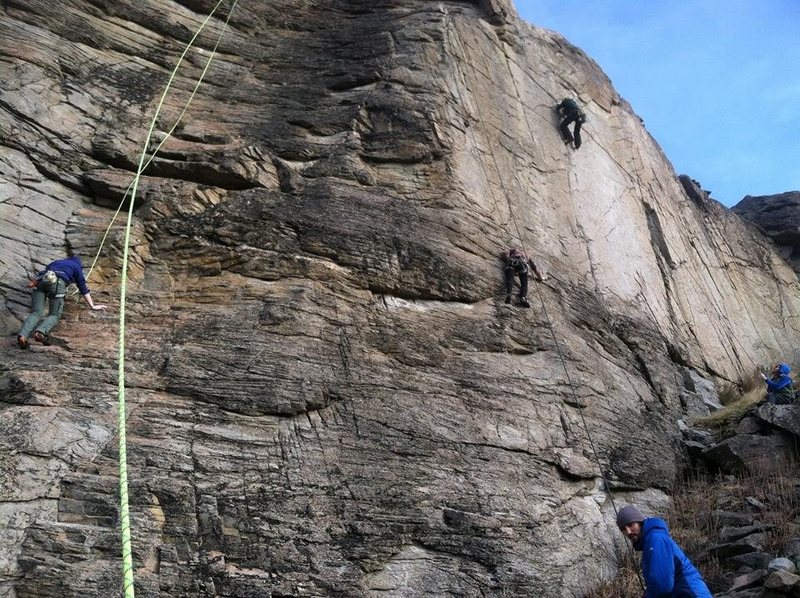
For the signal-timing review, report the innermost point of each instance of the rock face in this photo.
(326, 394)
(778, 216)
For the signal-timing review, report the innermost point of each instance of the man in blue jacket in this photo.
(779, 385)
(51, 284)
(668, 572)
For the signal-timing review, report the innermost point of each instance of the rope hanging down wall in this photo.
(519, 236)
(125, 530)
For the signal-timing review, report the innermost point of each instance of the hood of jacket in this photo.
(783, 369)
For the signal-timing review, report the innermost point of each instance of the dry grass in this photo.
(737, 400)
(690, 517)
(626, 584)
(773, 483)
(729, 393)
(694, 528)
(725, 419)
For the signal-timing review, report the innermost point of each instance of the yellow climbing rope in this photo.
(174, 125)
(127, 558)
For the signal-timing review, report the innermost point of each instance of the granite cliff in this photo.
(327, 395)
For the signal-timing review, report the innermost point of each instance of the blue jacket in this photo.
(781, 381)
(668, 572)
(70, 270)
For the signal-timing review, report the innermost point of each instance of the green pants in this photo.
(55, 294)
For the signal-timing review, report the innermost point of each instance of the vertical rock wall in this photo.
(326, 394)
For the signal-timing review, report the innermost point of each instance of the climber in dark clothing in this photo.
(517, 262)
(779, 385)
(667, 571)
(570, 112)
(51, 284)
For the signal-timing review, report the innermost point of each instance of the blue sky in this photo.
(717, 82)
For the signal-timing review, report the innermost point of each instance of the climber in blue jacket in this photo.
(779, 385)
(668, 572)
(51, 285)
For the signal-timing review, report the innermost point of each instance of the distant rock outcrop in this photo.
(327, 394)
(779, 217)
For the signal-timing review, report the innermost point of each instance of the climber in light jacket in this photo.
(668, 572)
(780, 390)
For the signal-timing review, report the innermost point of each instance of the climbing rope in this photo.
(475, 150)
(177, 120)
(606, 486)
(580, 404)
(127, 558)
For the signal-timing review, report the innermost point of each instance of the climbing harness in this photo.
(518, 265)
(49, 277)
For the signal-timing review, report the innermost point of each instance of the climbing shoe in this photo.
(523, 302)
(22, 342)
(41, 337)
(508, 298)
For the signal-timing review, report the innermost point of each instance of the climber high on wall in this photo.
(569, 110)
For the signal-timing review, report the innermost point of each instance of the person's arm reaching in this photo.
(780, 384)
(536, 272)
(92, 305)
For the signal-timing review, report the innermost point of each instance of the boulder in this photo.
(782, 581)
(749, 451)
(703, 437)
(782, 417)
(701, 396)
(732, 533)
(748, 581)
(782, 564)
(732, 518)
(749, 425)
(742, 593)
(726, 550)
(752, 560)
(694, 449)
(695, 441)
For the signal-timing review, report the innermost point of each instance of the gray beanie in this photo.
(628, 514)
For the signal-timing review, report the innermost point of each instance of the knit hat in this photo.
(628, 514)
